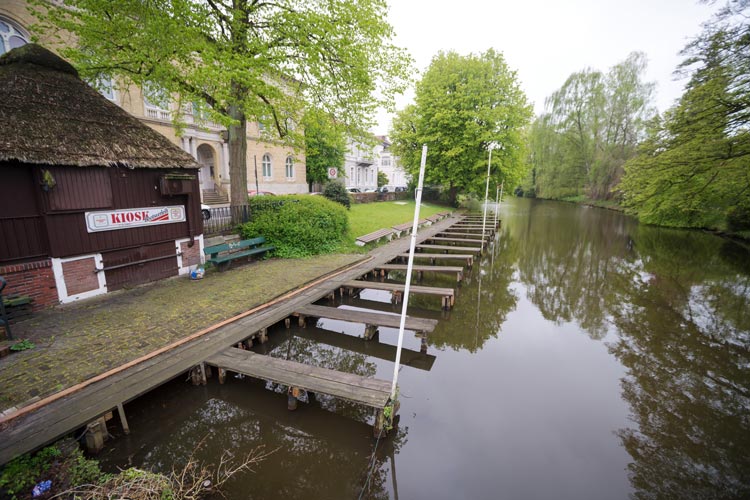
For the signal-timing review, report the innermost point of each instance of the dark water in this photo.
(587, 357)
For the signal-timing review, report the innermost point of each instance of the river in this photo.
(587, 357)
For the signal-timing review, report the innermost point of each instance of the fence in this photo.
(224, 219)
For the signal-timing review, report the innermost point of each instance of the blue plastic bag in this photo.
(41, 488)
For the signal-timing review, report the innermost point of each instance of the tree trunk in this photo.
(238, 157)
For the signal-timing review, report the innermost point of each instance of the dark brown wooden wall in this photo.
(57, 216)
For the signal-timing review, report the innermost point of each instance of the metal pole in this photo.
(257, 189)
(497, 203)
(409, 267)
(486, 193)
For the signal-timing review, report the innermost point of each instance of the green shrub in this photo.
(22, 473)
(298, 226)
(738, 218)
(336, 191)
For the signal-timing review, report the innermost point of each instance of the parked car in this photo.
(205, 211)
(252, 192)
(400, 189)
(382, 189)
(369, 190)
(353, 190)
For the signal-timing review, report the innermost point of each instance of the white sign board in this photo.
(110, 220)
(333, 173)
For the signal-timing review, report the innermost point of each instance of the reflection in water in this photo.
(587, 356)
(679, 303)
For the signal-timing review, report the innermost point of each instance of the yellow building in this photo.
(280, 169)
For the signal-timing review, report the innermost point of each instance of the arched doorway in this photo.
(206, 158)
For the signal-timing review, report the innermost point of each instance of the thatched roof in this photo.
(48, 115)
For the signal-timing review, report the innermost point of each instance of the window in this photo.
(267, 165)
(386, 162)
(289, 167)
(156, 101)
(106, 87)
(11, 36)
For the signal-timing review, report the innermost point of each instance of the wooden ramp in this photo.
(419, 269)
(447, 256)
(450, 247)
(368, 318)
(366, 391)
(448, 294)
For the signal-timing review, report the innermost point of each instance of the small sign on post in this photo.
(333, 173)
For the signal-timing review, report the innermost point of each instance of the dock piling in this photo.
(123, 419)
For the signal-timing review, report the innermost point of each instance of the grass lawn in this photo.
(365, 218)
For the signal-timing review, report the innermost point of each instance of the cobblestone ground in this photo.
(79, 341)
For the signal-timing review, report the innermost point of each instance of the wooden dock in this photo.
(367, 318)
(367, 391)
(468, 258)
(449, 239)
(446, 248)
(387, 352)
(448, 294)
(419, 269)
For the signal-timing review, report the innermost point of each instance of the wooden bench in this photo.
(405, 227)
(374, 236)
(227, 252)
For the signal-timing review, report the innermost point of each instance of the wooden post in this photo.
(96, 432)
(222, 375)
(377, 427)
(370, 331)
(287, 322)
(123, 419)
(203, 374)
(249, 343)
(263, 333)
(301, 321)
(291, 399)
(423, 344)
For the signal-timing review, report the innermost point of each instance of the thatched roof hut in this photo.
(49, 116)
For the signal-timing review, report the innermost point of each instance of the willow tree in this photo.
(463, 105)
(254, 60)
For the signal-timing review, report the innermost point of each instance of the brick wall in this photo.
(79, 276)
(191, 256)
(34, 279)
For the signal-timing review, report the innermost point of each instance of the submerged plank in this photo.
(367, 391)
(368, 318)
(397, 287)
(451, 247)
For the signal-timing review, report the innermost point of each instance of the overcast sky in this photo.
(547, 40)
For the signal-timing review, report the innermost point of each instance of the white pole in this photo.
(497, 202)
(409, 267)
(486, 193)
(501, 190)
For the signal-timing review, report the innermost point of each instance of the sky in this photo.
(545, 41)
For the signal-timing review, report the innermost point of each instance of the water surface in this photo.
(587, 357)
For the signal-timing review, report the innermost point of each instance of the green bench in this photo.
(225, 253)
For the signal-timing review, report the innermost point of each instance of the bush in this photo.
(335, 191)
(738, 218)
(298, 226)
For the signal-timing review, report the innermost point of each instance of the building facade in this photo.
(280, 169)
(389, 165)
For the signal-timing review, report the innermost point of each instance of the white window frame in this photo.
(289, 164)
(16, 30)
(156, 110)
(267, 165)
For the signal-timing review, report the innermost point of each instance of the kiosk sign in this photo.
(333, 173)
(133, 217)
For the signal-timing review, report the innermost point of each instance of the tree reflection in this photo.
(678, 302)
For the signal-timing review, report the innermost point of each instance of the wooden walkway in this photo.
(448, 294)
(60, 416)
(419, 269)
(366, 391)
(368, 318)
(450, 247)
(468, 258)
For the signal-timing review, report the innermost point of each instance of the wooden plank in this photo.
(368, 318)
(367, 391)
(457, 270)
(450, 247)
(449, 256)
(457, 240)
(398, 287)
(372, 348)
(452, 234)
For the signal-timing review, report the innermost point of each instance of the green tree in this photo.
(382, 179)
(325, 145)
(592, 126)
(244, 59)
(694, 168)
(464, 105)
